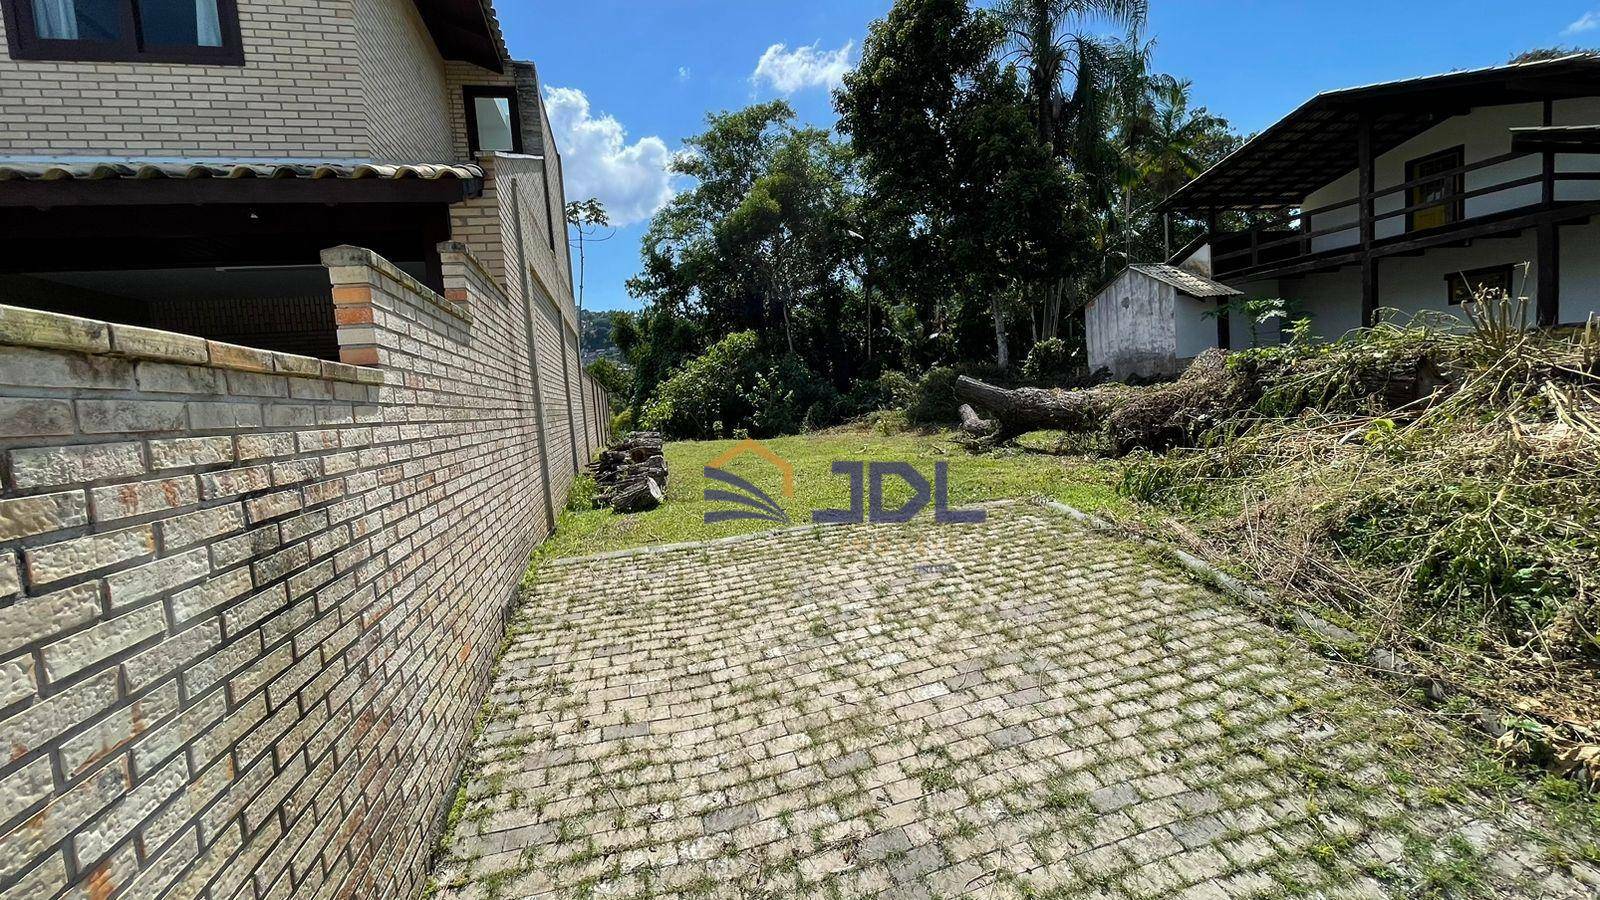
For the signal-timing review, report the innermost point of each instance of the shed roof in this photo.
(1316, 143)
(1185, 280)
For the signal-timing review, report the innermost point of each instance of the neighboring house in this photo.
(1412, 196)
(289, 393)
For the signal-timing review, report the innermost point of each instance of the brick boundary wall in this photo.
(249, 601)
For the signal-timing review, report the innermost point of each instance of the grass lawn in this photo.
(973, 478)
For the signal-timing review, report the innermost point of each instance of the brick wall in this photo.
(321, 80)
(402, 76)
(298, 94)
(249, 601)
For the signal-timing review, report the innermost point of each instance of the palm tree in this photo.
(1075, 77)
(1072, 71)
(1173, 141)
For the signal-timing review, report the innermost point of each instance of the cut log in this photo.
(636, 496)
(631, 474)
(651, 468)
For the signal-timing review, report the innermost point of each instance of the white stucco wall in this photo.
(1484, 133)
(1266, 335)
(1582, 111)
(1413, 284)
(1193, 330)
(1130, 329)
(1332, 299)
(1580, 272)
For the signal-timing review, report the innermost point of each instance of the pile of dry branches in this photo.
(1464, 525)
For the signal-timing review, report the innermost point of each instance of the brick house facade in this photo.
(289, 391)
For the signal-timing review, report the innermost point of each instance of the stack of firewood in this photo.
(631, 475)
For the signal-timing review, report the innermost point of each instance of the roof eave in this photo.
(1180, 199)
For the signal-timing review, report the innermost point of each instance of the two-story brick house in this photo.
(289, 392)
(156, 156)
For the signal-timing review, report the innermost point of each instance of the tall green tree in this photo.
(964, 198)
(758, 241)
(1074, 72)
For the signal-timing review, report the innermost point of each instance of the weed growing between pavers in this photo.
(1106, 726)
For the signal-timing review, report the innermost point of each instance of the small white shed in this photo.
(1152, 319)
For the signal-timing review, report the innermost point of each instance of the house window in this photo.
(1436, 201)
(167, 31)
(493, 122)
(1493, 282)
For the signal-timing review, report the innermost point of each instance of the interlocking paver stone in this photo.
(1010, 709)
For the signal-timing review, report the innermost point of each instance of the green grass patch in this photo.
(974, 478)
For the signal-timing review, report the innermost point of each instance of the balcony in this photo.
(1499, 194)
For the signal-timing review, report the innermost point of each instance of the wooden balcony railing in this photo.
(1269, 246)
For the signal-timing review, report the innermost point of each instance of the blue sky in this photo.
(627, 80)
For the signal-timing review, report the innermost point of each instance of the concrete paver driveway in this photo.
(1014, 709)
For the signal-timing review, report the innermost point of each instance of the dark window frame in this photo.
(472, 92)
(1455, 207)
(1504, 270)
(25, 44)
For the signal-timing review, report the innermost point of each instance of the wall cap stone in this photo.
(346, 255)
(455, 251)
(23, 327)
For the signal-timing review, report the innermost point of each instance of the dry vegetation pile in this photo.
(1462, 526)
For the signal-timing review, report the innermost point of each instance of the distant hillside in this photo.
(595, 326)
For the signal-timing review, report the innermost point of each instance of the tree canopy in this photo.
(991, 168)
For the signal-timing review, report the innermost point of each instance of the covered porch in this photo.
(223, 250)
(1340, 198)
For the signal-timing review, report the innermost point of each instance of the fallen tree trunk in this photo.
(1031, 409)
(976, 425)
(1153, 417)
(1165, 415)
(1210, 391)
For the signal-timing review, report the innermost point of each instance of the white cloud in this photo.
(630, 179)
(1589, 21)
(684, 73)
(803, 67)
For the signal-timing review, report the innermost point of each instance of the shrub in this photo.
(1049, 362)
(615, 377)
(622, 422)
(891, 390)
(934, 402)
(736, 386)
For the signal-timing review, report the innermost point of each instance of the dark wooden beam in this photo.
(1490, 225)
(1364, 188)
(1548, 286)
(1224, 329)
(1460, 235)
(1548, 187)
